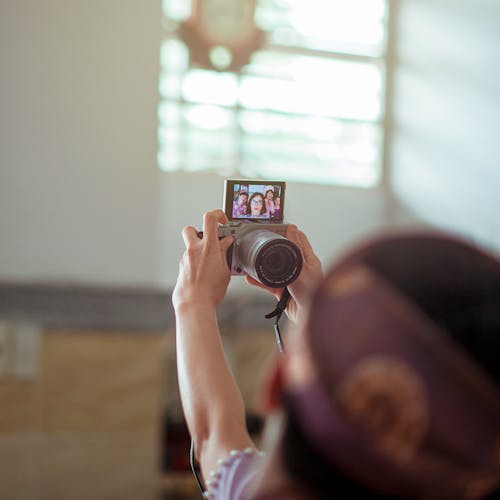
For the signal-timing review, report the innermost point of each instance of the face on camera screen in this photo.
(255, 200)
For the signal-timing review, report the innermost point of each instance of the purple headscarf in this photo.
(394, 402)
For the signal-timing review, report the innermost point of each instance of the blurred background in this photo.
(120, 120)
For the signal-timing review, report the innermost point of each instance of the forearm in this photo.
(210, 398)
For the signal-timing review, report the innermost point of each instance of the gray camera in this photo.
(260, 249)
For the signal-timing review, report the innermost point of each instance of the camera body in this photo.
(260, 249)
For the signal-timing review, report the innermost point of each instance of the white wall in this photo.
(81, 198)
(77, 140)
(446, 137)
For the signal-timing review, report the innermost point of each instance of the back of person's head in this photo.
(404, 337)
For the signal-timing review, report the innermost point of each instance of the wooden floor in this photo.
(88, 426)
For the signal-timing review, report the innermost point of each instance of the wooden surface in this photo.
(89, 425)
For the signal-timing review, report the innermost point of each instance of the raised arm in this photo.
(211, 400)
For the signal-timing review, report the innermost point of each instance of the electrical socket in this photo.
(27, 351)
(19, 350)
(5, 350)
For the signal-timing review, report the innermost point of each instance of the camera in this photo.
(255, 210)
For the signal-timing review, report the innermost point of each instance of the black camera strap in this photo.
(278, 311)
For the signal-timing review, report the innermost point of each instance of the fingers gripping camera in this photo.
(260, 249)
(263, 252)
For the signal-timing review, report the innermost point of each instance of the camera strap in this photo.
(278, 311)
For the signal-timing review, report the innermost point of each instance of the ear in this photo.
(273, 387)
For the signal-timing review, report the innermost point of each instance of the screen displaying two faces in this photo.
(255, 200)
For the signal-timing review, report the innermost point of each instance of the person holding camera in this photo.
(389, 385)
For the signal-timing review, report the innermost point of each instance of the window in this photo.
(307, 106)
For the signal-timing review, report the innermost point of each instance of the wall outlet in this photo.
(6, 351)
(27, 351)
(3, 350)
(19, 350)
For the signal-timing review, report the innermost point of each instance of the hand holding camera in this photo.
(247, 241)
(203, 273)
(310, 275)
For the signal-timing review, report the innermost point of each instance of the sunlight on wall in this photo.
(308, 105)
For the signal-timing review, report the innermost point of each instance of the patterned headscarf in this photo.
(394, 402)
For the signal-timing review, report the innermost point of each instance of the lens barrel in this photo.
(270, 258)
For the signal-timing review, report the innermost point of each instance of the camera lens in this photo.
(270, 258)
(278, 263)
